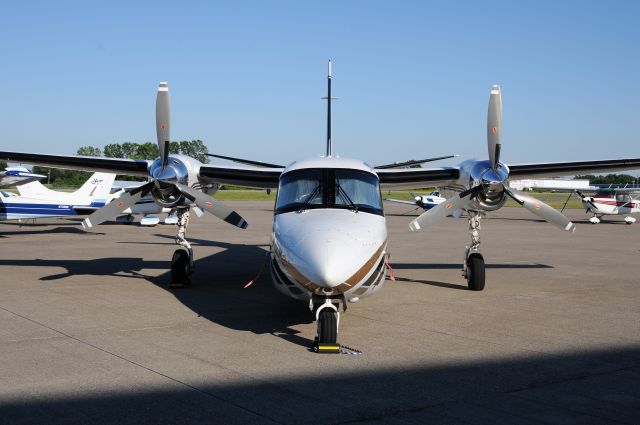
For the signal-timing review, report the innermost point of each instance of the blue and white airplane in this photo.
(426, 202)
(37, 201)
(14, 176)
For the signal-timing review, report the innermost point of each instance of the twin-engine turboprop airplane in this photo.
(37, 201)
(329, 237)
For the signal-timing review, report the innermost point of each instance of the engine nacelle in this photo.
(492, 195)
(164, 193)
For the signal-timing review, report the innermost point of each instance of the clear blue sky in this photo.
(413, 78)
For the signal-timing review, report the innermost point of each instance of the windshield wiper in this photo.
(310, 197)
(344, 193)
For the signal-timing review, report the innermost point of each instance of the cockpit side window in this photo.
(623, 197)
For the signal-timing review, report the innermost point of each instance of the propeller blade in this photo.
(494, 126)
(587, 199)
(444, 209)
(163, 122)
(115, 207)
(542, 210)
(212, 205)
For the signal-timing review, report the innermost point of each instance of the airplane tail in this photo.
(98, 185)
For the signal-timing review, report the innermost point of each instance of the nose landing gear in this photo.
(328, 321)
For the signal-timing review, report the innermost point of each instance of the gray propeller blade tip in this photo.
(571, 227)
(86, 223)
(163, 86)
(414, 225)
(495, 89)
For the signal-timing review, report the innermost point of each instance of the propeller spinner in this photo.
(169, 179)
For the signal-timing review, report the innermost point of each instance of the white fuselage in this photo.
(330, 250)
(611, 206)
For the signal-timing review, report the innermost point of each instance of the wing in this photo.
(557, 169)
(129, 167)
(409, 163)
(411, 178)
(400, 201)
(262, 178)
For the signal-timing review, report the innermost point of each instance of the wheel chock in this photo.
(322, 347)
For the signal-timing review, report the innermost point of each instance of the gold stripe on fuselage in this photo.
(343, 287)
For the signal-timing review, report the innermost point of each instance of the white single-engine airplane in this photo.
(329, 237)
(426, 202)
(37, 201)
(611, 201)
(15, 176)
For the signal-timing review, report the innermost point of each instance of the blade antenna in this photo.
(329, 99)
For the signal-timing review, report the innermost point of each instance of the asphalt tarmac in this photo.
(90, 333)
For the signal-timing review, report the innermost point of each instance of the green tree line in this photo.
(130, 150)
(609, 179)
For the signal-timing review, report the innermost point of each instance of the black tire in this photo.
(475, 272)
(328, 326)
(180, 268)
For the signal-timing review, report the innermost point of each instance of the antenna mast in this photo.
(329, 99)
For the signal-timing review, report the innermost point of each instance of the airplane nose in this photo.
(328, 260)
(337, 247)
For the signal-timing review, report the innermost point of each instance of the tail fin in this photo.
(98, 185)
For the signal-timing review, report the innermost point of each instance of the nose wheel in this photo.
(328, 326)
(327, 321)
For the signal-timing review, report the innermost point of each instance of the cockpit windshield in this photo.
(329, 188)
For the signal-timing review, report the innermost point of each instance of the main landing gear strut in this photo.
(473, 266)
(182, 261)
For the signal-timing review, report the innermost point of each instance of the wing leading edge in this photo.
(83, 163)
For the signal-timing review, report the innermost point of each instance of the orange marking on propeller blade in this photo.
(209, 203)
(162, 125)
(120, 204)
(449, 206)
(537, 206)
(494, 130)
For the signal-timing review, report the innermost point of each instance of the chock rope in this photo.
(350, 351)
(264, 263)
(387, 264)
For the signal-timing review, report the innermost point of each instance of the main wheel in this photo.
(180, 268)
(328, 326)
(475, 272)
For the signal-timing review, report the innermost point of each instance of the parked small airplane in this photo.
(329, 236)
(37, 201)
(15, 176)
(426, 202)
(610, 201)
(145, 207)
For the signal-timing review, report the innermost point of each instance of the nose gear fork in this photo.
(473, 268)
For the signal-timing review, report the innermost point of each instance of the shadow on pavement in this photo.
(586, 387)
